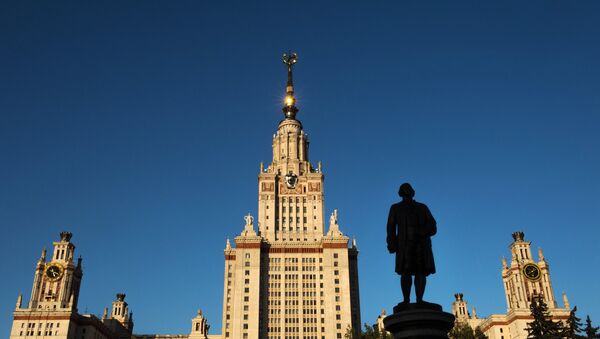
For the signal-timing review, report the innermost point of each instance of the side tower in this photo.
(52, 309)
(461, 312)
(286, 277)
(53, 303)
(525, 278)
(120, 321)
(199, 327)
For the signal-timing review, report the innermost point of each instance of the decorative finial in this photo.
(541, 254)
(19, 301)
(227, 245)
(566, 301)
(121, 296)
(105, 314)
(290, 109)
(504, 265)
(43, 256)
(518, 236)
(65, 236)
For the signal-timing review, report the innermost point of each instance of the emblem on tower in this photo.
(291, 180)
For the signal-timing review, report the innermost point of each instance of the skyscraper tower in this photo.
(287, 278)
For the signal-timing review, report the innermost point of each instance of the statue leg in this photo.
(420, 282)
(406, 283)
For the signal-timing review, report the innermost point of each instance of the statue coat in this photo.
(409, 229)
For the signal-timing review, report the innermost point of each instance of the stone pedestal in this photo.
(420, 320)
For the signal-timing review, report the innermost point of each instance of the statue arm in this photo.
(430, 223)
(392, 237)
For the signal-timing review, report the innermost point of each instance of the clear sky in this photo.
(140, 125)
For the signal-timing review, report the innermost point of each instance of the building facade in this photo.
(286, 277)
(524, 280)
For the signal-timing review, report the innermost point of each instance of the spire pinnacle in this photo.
(289, 108)
(541, 254)
(43, 256)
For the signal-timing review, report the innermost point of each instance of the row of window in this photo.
(39, 333)
(40, 325)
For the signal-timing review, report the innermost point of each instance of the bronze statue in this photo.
(409, 229)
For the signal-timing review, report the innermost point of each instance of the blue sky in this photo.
(139, 126)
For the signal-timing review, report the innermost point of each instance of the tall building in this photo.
(524, 280)
(286, 278)
(52, 308)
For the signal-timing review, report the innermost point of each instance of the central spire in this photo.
(289, 108)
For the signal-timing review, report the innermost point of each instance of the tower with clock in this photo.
(56, 282)
(524, 280)
(52, 309)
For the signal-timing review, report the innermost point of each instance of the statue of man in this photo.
(409, 229)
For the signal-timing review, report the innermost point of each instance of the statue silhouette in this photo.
(409, 229)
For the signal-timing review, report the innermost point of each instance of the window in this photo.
(247, 255)
(335, 255)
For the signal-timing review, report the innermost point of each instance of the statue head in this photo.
(406, 191)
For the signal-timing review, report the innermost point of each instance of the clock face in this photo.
(290, 180)
(54, 272)
(532, 272)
